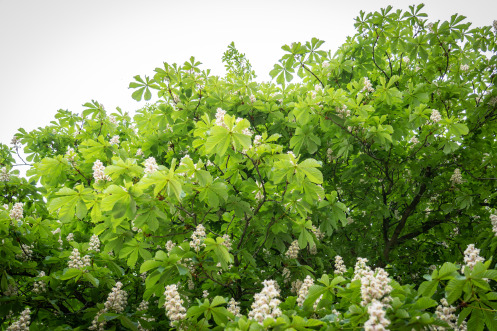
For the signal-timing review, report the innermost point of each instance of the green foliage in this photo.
(385, 150)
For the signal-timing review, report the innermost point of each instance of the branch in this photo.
(374, 60)
(303, 66)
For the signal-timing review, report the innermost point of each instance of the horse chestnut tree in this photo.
(362, 195)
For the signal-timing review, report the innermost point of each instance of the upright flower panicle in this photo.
(493, 220)
(98, 172)
(94, 243)
(304, 290)
(435, 116)
(456, 177)
(174, 304)
(16, 213)
(234, 307)
(114, 140)
(198, 237)
(472, 257)
(293, 250)
(377, 320)
(375, 286)
(40, 286)
(116, 302)
(266, 303)
(368, 87)
(220, 117)
(150, 165)
(22, 324)
(75, 260)
(446, 313)
(361, 269)
(340, 268)
(4, 175)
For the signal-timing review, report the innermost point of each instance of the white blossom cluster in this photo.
(234, 307)
(116, 302)
(406, 59)
(304, 290)
(493, 219)
(266, 302)
(329, 155)
(375, 286)
(170, 245)
(139, 152)
(472, 257)
(296, 286)
(11, 290)
(205, 294)
(227, 242)
(174, 304)
(435, 116)
(26, 252)
(257, 140)
(342, 112)
(414, 140)
(4, 175)
(464, 67)
(368, 87)
(445, 312)
(98, 172)
(70, 155)
(319, 235)
(220, 117)
(198, 237)
(340, 267)
(259, 193)
(252, 98)
(40, 286)
(15, 142)
(70, 237)
(16, 211)
(150, 165)
(94, 243)
(377, 320)
(286, 275)
(456, 177)
(360, 268)
(75, 260)
(114, 140)
(293, 250)
(22, 324)
(113, 120)
(245, 131)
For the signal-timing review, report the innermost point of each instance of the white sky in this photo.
(59, 54)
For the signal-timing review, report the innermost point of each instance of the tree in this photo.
(234, 203)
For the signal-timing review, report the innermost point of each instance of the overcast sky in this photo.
(59, 54)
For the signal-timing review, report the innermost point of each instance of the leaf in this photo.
(454, 289)
(218, 141)
(71, 273)
(428, 288)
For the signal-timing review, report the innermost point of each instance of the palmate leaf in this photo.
(72, 202)
(164, 180)
(143, 88)
(120, 201)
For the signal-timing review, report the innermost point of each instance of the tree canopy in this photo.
(356, 190)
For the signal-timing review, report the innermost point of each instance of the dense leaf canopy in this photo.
(384, 152)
